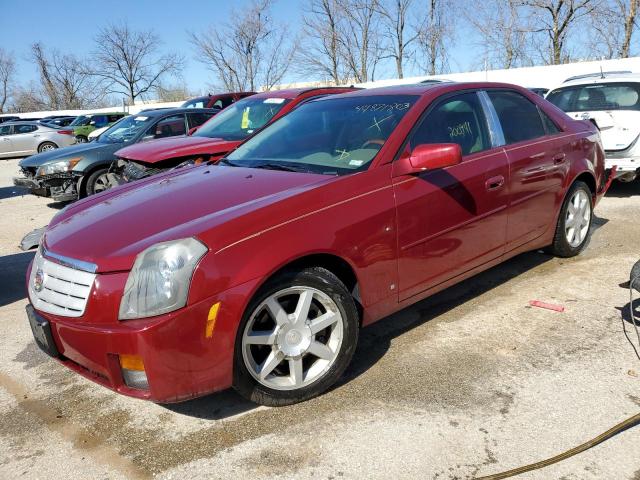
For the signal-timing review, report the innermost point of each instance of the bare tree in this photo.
(322, 44)
(173, 93)
(503, 33)
(129, 62)
(400, 36)
(363, 41)
(28, 99)
(628, 9)
(435, 34)
(248, 52)
(555, 19)
(65, 80)
(7, 74)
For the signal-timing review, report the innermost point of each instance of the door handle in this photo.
(494, 183)
(36, 134)
(559, 158)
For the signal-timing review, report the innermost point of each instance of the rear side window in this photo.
(100, 120)
(114, 118)
(549, 125)
(458, 119)
(519, 116)
(25, 128)
(595, 97)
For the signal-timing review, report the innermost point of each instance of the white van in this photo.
(612, 101)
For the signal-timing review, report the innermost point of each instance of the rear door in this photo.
(169, 127)
(538, 163)
(452, 219)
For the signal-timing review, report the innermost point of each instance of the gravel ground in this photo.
(469, 382)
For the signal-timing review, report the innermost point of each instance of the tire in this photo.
(46, 147)
(305, 354)
(97, 182)
(568, 243)
(81, 139)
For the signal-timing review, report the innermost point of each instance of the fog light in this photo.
(133, 372)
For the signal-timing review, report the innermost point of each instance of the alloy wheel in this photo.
(578, 218)
(292, 338)
(101, 184)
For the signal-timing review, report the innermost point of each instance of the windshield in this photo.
(331, 136)
(242, 119)
(125, 129)
(593, 97)
(80, 121)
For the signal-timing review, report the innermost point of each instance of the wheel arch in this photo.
(82, 182)
(46, 141)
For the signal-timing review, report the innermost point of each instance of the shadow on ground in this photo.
(13, 269)
(621, 189)
(9, 192)
(375, 340)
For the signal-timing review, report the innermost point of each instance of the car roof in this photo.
(291, 93)
(172, 111)
(606, 77)
(419, 89)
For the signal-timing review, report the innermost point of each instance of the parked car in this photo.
(83, 125)
(9, 118)
(19, 139)
(217, 137)
(84, 169)
(258, 272)
(222, 100)
(612, 102)
(97, 132)
(59, 121)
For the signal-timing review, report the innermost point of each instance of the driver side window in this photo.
(459, 119)
(168, 127)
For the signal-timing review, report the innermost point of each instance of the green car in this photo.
(83, 125)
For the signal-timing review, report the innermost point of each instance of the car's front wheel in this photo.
(296, 338)
(574, 222)
(98, 182)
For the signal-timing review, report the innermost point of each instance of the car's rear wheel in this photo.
(574, 222)
(46, 147)
(296, 338)
(81, 139)
(98, 182)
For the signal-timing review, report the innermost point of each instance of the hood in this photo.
(110, 229)
(618, 128)
(163, 149)
(66, 153)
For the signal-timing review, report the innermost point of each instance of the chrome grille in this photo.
(58, 289)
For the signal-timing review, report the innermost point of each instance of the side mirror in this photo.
(92, 122)
(192, 130)
(430, 157)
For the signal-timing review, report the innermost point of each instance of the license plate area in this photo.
(41, 330)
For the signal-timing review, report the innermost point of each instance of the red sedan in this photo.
(258, 272)
(214, 139)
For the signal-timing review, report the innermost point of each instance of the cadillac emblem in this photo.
(38, 280)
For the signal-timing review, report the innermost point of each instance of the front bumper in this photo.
(181, 361)
(33, 185)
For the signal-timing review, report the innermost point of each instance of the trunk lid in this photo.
(618, 128)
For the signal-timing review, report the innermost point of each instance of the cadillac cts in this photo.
(259, 271)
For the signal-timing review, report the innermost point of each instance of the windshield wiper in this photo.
(279, 166)
(222, 161)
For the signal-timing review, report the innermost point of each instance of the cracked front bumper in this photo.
(36, 187)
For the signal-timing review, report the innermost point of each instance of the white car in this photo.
(96, 133)
(23, 138)
(612, 101)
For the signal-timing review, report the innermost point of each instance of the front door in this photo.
(25, 139)
(453, 219)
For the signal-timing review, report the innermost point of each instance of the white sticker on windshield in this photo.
(273, 100)
(141, 119)
(356, 163)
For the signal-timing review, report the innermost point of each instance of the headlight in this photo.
(58, 167)
(159, 280)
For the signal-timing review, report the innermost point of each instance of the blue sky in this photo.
(71, 26)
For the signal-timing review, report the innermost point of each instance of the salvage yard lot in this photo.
(467, 383)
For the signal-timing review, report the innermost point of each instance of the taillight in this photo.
(65, 132)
